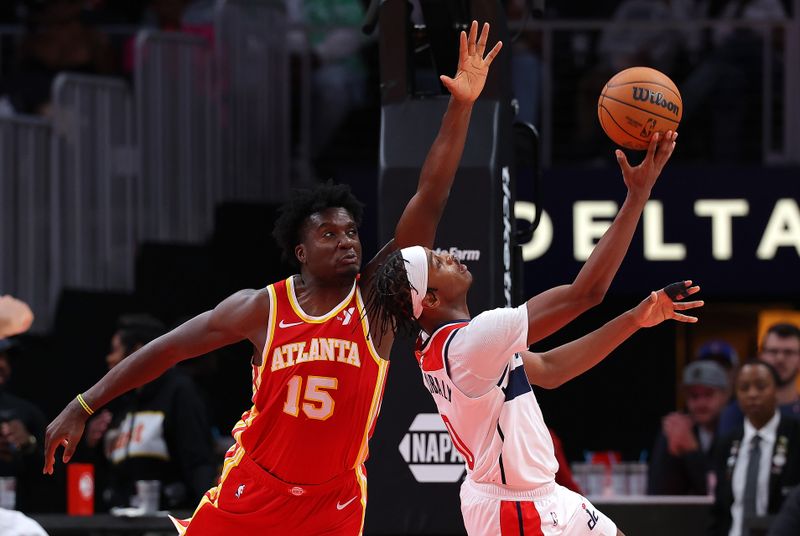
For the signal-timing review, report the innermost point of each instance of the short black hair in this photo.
(761, 363)
(138, 329)
(389, 298)
(784, 330)
(302, 204)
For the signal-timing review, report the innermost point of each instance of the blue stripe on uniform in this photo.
(518, 383)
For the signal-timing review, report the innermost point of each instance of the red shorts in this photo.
(251, 501)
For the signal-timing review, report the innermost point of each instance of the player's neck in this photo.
(434, 319)
(318, 297)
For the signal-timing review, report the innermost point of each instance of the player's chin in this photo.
(350, 269)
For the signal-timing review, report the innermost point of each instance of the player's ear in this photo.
(431, 300)
(300, 253)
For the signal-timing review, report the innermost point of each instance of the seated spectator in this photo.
(22, 427)
(759, 463)
(157, 432)
(781, 349)
(787, 522)
(682, 455)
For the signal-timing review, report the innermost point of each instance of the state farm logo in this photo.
(429, 452)
(461, 254)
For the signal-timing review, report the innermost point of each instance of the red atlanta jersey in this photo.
(317, 392)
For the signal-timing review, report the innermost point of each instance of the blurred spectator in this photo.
(726, 85)
(758, 463)
(330, 31)
(682, 455)
(157, 432)
(721, 352)
(58, 40)
(188, 16)
(15, 316)
(22, 427)
(787, 522)
(781, 349)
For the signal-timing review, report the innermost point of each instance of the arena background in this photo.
(152, 186)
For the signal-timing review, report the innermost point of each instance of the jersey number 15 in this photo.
(317, 402)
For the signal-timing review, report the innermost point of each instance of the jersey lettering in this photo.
(318, 349)
(438, 388)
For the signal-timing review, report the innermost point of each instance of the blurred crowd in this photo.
(718, 67)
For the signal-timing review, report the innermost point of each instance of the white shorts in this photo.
(552, 510)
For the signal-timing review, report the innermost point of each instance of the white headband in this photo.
(417, 271)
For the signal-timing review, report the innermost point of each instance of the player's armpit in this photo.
(539, 371)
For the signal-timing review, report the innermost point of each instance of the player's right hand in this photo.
(66, 431)
(641, 179)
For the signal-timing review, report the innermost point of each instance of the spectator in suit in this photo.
(781, 349)
(759, 463)
(682, 455)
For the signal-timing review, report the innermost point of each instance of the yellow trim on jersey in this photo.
(273, 313)
(374, 409)
(362, 313)
(227, 466)
(362, 483)
(212, 496)
(316, 319)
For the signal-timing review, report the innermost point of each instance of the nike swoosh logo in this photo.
(283, 324)
(340, 506)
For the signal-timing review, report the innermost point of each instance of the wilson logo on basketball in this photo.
(645, 95)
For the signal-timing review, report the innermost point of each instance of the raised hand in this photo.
(472, 65)
(640, 179)
(659, 306)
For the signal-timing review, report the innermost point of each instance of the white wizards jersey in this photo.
(501, 434)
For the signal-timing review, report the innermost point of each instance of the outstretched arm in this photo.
(553, 309)
(559, 365)
(241, 316)
(417, 225)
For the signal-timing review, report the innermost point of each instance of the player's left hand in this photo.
(472, 65)
(663, 305)
(641, 179)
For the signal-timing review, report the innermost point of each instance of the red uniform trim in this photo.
(519, 518)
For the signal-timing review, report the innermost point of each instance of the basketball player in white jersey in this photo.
(479, 372)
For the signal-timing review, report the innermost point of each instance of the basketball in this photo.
(636, 103)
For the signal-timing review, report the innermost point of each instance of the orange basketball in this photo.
(637, 102)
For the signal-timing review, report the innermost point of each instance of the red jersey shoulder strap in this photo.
(430, 353)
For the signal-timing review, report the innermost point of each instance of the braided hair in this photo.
(304, 203)
(389, 299)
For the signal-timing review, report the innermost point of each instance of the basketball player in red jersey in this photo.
(297, 463)
(479, 371)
